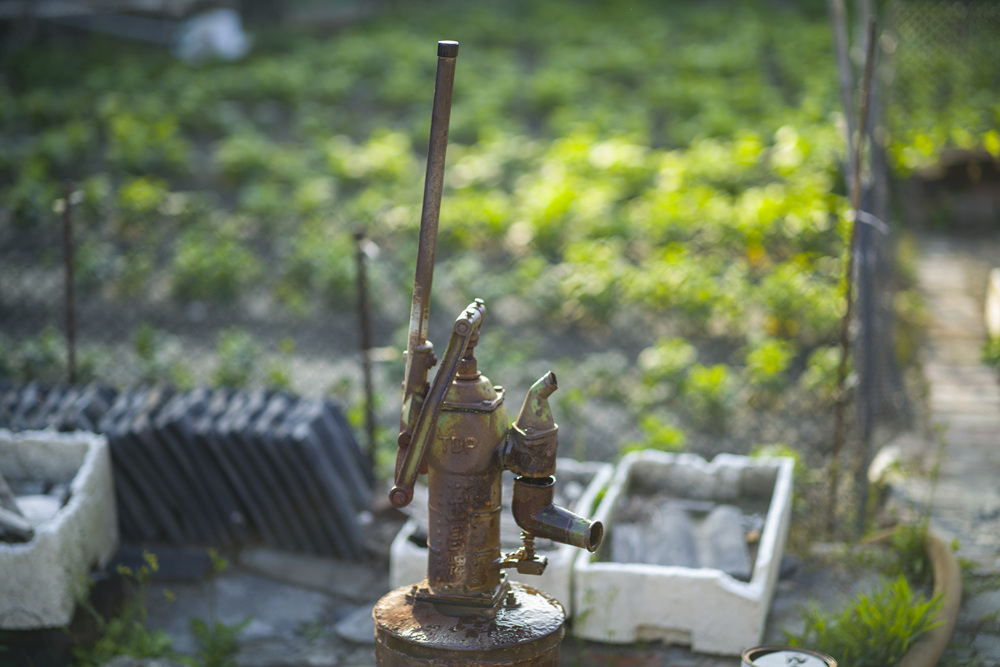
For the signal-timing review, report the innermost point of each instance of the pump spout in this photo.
(535, 412)
(536, 515)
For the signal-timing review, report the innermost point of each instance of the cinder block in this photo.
(705, 608)
(41, 580)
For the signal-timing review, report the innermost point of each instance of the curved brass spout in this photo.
(535, 412)
(533, 439)
(535, 514)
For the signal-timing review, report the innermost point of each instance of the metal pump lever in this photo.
(419, 352)
(406, 476)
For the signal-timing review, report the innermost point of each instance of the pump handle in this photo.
(406, 474)
(418, 352)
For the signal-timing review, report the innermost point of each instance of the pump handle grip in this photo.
(406, 475)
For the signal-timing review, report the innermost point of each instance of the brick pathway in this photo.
(963, 399)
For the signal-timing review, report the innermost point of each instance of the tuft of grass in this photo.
(126, 633)
(873, 630)
(218, 642)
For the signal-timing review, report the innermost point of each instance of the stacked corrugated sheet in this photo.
(217, 467)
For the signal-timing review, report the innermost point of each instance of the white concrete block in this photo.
(408, 561)
(705, 608)
(41, 580)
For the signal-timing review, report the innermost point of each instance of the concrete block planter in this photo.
(704, 607)
(41, 580)
(581, 481)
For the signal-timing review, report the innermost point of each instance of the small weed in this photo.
(313, 631)
(158, 360)
(991, 352)
(127, 634)
(218, 641)
(238, 357)
(909, 546)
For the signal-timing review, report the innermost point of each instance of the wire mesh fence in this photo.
(196, 299)
(943, 62)
(132, 325)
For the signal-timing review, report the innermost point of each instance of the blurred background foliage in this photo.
(648, 196)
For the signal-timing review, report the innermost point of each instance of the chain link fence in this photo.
(218, 310)
(943, 55)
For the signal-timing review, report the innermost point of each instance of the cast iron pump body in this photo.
(466, 610)
(463, 434)
(457, 431)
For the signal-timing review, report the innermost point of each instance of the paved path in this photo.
(963, 400)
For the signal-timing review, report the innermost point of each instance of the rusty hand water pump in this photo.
(457, 431)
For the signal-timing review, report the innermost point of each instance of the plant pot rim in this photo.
(926, 651)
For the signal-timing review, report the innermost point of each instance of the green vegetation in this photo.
(660, 180)
(991, 352)
(127, 633)
(42, 359)
(943, 85)
(873, 630)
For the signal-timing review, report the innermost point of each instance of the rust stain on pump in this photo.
(456, 429)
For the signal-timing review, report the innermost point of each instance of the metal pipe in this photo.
(69, 297)
(536, 514)
(364, 323)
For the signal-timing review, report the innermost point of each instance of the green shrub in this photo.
(318, 270)
(820, 375)
(157, 360)
(213, 266)
(709, 394)
(244, 155)
(137, 144)
(41, 358)
(238, 357)
(140, 204)
(767, 363)
(29, 202)
(668, 360)
(218, 642)
(658, 434)
(589, 279)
